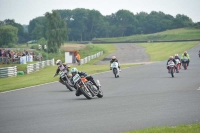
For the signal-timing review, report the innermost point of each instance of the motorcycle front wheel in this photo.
(85, 91)
(172, 72)
(115, 72)
(68, 86)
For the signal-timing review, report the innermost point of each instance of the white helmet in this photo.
(58, 62)
(113, 57)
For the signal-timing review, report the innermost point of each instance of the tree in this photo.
(8, 35)
(37, 27)
(22, 35)
(126, 22)
(183, 21)
(57, 32)
(78, 29)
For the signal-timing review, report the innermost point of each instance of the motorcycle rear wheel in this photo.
(100, 95)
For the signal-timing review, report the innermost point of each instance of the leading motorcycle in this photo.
(87, 88)
(114, 67)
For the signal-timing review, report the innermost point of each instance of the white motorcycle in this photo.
(171, 66)
(115, 68)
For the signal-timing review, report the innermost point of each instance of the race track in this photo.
(143, 96)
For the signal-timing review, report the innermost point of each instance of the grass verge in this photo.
(162, 51)
(192, 128)
(175, 34)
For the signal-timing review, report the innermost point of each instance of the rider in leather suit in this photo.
(74, 71)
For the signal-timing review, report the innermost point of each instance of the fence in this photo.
(37, 66)
(88, 58)
(8, 72)
(20, 60)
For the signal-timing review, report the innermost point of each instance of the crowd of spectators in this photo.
(10, 56)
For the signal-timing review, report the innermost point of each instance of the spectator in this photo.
(40, 57)
(0, 52)
(27, 53)
(0, 55)
(78, 58)
(23, 54)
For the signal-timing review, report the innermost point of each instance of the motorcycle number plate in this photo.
(114, 64)
(76, 78)
(62, 74)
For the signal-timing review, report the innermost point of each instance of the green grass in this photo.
(192, 128)
(162, 51)
(176, 34)
(92, 49)
(46, 75)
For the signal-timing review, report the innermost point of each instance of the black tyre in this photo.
(68, 86)
(92, 88)
(115, 72)
(184, 66)
(172, 72)
(85, 91)
(100, 95)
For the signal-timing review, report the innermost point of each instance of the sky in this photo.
(23, 11)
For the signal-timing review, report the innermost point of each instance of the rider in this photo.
(75, 71)
(171, 58)
(185, 54)
(61, 67)
(114, 59)
(177, 57)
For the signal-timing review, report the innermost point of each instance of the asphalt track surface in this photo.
(127, 53)
(143, 96)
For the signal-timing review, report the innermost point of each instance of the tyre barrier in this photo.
(8, 72)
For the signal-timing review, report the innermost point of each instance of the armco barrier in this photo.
(40, 65)
(8, 72)
(88, 58)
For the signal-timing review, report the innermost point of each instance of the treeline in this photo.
(83, 25)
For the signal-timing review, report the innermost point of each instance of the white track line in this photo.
(57, 81)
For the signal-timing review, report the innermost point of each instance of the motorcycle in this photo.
(178, 65)
(171, 66)
(184, 62)
(66, 78)
(114, 67)
(87, 88)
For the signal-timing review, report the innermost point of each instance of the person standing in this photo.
(78, 57)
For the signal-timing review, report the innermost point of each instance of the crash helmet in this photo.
(74, 71)
(171, 57)
(58, 62)
(113, 57)
(185, 53)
